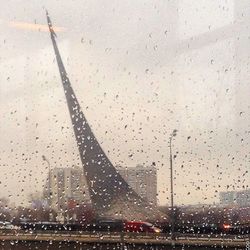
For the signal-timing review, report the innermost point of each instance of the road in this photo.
(127, 238)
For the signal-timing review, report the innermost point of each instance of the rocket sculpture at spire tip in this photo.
(52, 32)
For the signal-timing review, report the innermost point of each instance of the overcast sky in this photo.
(139, 69)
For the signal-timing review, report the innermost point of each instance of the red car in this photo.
(140, 227)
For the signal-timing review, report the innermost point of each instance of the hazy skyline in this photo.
(139, 71)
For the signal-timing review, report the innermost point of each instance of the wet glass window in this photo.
(125, 125)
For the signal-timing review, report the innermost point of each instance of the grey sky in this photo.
(151, 65)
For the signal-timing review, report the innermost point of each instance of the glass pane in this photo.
(127, 121)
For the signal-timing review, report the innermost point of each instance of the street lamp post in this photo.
(49, 184)
(173, 134)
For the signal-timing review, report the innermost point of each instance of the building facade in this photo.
(240, 198)
(66, 186)
(143, 180)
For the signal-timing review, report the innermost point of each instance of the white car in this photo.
(7, 225)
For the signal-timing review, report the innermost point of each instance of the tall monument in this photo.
(109, 192)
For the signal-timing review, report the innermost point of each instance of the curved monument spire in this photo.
(109, 192)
